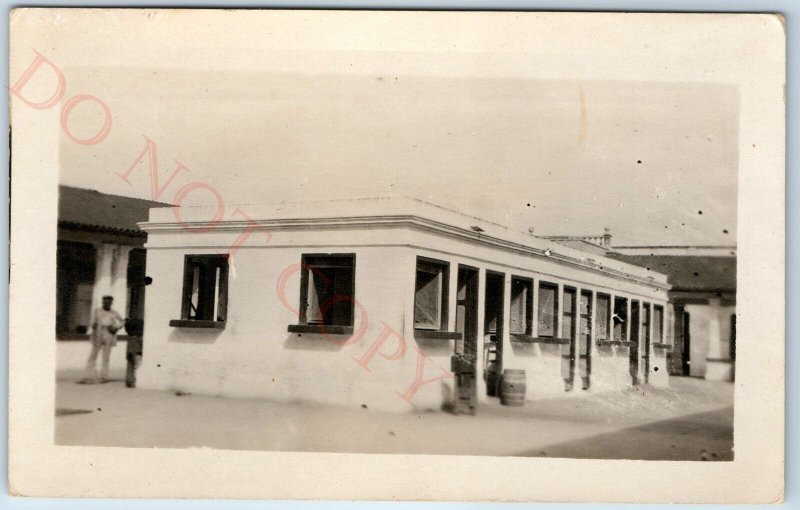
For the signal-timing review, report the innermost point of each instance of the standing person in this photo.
(104, 326)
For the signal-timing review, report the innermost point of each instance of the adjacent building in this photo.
(100, 251)
(702, 311)
(703, 302)
(390, 303)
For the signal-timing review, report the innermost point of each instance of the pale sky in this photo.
(561, 156)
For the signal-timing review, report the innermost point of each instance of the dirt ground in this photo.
(691, 420)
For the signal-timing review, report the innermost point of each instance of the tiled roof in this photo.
(689, 272)
(92, 209)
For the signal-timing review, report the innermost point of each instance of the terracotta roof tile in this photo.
(689, 272)
(90, 208)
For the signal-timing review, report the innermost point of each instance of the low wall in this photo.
(610, 370)
(542, 366)
(71, 356)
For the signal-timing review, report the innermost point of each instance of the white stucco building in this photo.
(391, 303)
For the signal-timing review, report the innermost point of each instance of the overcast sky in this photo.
(654, 162)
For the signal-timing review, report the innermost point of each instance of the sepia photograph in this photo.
(404, 236)
(479, 308)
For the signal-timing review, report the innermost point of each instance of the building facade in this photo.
(392, 304)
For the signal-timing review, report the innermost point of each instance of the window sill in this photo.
(320, 329)
(189, 323)
(662, 346)
(73, 336)
(539, 339)
(606, 343)
(83, 338)
(430, 334)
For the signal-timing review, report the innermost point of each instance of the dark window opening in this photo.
(430, 295)
(521, 306)
(205, 288)
(658, 324)
(602, 316)
(327, 289)
(547, 309)
(620, 317)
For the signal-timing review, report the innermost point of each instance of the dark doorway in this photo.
(733, 337)
(493, 331)
(568, 332)
(466, 350)
(633, 351)
(137, 267)
(646, 317)
(686, 361)
(75, 272)
(585, 339)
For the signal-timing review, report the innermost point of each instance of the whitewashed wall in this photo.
(255, 356)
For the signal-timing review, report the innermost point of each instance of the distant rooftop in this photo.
(685, 250)
(688, 268)
(601, 244)
(692, 272)
(86, 208)
(603, 239)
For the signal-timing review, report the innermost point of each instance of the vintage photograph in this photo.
(367, 244)
(552, 261)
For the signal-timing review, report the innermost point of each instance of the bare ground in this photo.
(691, 420)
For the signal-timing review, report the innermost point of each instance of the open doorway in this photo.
(633, 350)
(585, 339)
(686, 344)
(466, 350)
(568, 332)
(493, 331)
(646, 318)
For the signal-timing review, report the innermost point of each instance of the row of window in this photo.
(327, 288)
(430, 307)
(327, 291)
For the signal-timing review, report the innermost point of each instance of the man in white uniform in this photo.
(104, 326)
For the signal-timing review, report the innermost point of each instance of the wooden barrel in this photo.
(512, 388)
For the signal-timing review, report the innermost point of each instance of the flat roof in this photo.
(380, 211)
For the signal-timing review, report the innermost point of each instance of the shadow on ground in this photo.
(700, 437)
(68, 412)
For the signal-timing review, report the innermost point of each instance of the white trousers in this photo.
(91, 364)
